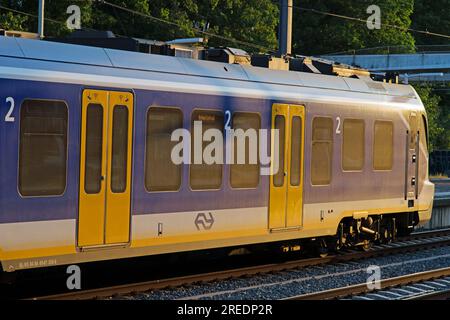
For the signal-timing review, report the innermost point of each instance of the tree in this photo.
(438, 118)
(253, 21)
(316, 34)
(432, 16)
(9, 21)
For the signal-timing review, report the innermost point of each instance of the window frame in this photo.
(89, 106)
(127, 149)
(373, 146)
(301, 149)
(145, 148)
(19, 140)
(332, 151)
(191, 122)
(424, 123)
(364, 145)
(259, 164)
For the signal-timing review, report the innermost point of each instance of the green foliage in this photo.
(317, 34)
(432, 16)
(444, 118)
(256, 21)
(438, 117)
(9, 21)
(250, 21)
(253, 21)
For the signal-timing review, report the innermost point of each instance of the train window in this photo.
(244, 173)
(119, 149)
(322, 151)
(94, 145)
(43, 148)
(296, 147)
(353, 145)
(280, 124)
(413, 131)
(424, 133)
(161, 174)
(383, 145)
(205, 176)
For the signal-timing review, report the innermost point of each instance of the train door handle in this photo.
(413, 181)
(414, 158)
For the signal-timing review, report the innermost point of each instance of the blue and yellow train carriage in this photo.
(86, 173)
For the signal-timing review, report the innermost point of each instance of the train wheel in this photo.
(323, 249)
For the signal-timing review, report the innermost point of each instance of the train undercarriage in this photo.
(364, 232)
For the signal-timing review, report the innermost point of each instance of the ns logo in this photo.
(204, 221)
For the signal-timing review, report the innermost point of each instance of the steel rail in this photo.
(442, 239)
(383, 284)
(436, 295)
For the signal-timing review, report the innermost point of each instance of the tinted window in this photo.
(94, 148)
(245, 169)
(206, 176)
(280, 124)
(383, 145)
(296, 149)
(43, 148)
(161, 174)
(353, 145)
(322, 151)
(119, 149)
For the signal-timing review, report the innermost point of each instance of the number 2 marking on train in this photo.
(338, 127)
(8, 117)
(227, 120)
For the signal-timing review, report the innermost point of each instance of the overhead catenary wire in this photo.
(29, 14)
(209, 34)
(36, 16)
(341, 16)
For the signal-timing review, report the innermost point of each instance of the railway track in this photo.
(415, 242)
(434, 284)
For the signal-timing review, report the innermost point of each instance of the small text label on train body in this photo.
(9, 115)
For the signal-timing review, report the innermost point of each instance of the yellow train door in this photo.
(286, 181)
(105, 168)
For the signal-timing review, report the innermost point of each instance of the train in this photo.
(87, 171)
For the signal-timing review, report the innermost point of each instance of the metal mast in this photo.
(285, 45)
(41, 19)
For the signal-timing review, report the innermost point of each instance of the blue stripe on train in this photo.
(14, 208)
(185, 199)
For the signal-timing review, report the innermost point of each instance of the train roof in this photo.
(111, 58)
